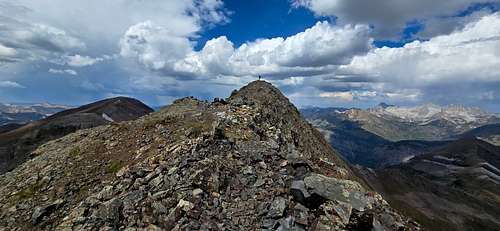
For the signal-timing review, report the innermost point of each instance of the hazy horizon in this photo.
(300, 107)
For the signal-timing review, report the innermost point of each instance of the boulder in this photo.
(338, 190)
(110, 212)
(277, 207)
(42, 211)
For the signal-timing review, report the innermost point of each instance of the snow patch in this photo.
(485, 172)
(438, 157)
(447, 166)
(106, 117)
(408, 158)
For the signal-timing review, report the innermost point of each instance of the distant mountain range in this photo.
(17, 144)
(425, 122)
(386, 135)
(14, 115)
(427, 113)
(40, 108)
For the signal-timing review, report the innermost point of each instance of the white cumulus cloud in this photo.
(472, 54)
(6, 51)
(47, 30)
(342, 96)
(10, 84)
(65, 71)
(318, 49)
(82, 61)
(154, 46)
(389, 17)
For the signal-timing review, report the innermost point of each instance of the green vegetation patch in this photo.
(30, 190)
(75, 151)
(114, 167)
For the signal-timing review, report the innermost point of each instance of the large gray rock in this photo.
(110, 211)
(299, 191)
(277, 208)
(42, 211)
(338, 190)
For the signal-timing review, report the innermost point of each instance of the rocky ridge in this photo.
(250, 162)
(489, 133)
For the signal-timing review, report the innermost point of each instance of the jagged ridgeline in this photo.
(250, 162)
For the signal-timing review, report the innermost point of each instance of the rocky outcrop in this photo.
(250, 162)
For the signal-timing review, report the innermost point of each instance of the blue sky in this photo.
(251, 20)
(318, 52)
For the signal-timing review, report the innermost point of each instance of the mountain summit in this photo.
(16, 145)
(245, 163)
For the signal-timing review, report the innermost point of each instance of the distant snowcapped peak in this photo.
(41, 108)
(428, 112)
